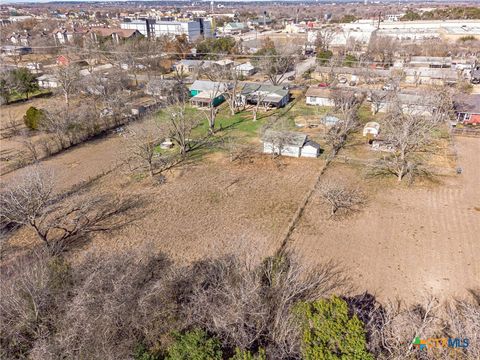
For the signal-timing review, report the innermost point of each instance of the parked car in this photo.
(323, 85)
(291, 78)
(342, 80)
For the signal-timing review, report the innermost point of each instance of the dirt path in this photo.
(407, 242)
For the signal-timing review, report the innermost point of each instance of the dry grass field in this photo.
(407, 242)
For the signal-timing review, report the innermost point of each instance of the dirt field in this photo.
(407, 242)
(210, 208)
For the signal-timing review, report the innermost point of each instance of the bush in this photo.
(195, 344)
(247, 355)
(33, 118)
(350, 60)
(329, 332)
(323, 56)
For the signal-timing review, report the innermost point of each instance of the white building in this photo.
(319, 97)
(151, 28)
(47, 81)
(289, 144)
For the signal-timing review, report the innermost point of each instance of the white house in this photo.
(47, 81)
(245, 69)
(372, 128)
(318, 96)
(289, 144)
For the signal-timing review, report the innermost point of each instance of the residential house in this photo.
(291, 144)
(234, 28)
(20, 39)
(164, 88)
(192, 66)
(433, 62)
(267, 95)
(411, 103)
(65, 36)
(47, 81)
(245, 69)
(430, 76)
(475, 74)
(467, 108)
(319, 96)
(207, 93)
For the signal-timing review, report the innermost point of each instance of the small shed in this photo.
(283, 143)
(288, 143)
(310, 149)
(372, 128)
(330, 120)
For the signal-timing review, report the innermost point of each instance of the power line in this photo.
(84, 51)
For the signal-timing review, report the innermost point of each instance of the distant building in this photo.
(193, 30)
(234, 28)
(433, 62)
(393, 17)
(116, 35)
(15, 50)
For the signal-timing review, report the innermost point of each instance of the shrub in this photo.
(324, 56)
(33, 117)
(330, 332)
(350, 60)
(195, 344)
(247, 355)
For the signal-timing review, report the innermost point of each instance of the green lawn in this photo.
(15, 96)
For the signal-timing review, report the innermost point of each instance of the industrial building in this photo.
(193, 30)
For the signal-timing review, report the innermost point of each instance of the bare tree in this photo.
(31, 201)
(181, 124)
(229, 80)
(407, 134)
(341, 197)
(337, 135)
(378, 100)
(276, 64)
(325, 36)
(249, 305)
(31, 147)
(68, 77)
(142, 145)
(382, 49)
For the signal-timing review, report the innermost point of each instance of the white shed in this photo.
(283, 143)
(372, 128)
(47, 81)
(289, 144)
(310, 149)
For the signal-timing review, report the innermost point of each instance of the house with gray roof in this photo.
(287, 143)
(267, 95)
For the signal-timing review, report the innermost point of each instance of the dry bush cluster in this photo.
(108, 305)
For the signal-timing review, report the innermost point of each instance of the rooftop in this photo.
(289, 138)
